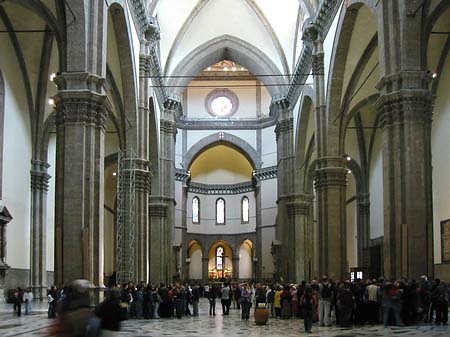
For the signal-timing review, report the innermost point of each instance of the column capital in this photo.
(404, 80)
(157, 209)
(81, 107)
(406, 105)
(330, 177)
(39, 176)
(284, 126)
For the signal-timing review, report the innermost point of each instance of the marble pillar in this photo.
(331, 183)
(80, 126)
(39, 188)
(405, 107)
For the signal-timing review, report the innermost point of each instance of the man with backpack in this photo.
(325, 296)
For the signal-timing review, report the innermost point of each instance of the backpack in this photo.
(326, 291)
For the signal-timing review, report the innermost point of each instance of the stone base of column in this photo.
(97, 294)
(39, 292)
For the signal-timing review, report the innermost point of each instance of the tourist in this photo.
(195, 299)
(294, 301)
(18, 301)
(246, 301)
(345, 302)
(286, 300)
(270, 295)
(28, 300)
(277, 301)
(52, 300)
(308, 302)
(156, 302)
(139, 302)
(325, 297)
(225, 299)
(212, 295)
(260, 295)
(110, 313)
(441, 296)
(372, 299)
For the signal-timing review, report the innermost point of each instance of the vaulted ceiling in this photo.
(273, 27)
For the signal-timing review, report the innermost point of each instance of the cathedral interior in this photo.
(202, 140)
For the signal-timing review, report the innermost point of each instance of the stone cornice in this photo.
(330, 177)
(158, 210)
(222, 189)
(227, 124)
(266, 173)
(39, 176)
(314, 29)
(139, 13)
(284, 126)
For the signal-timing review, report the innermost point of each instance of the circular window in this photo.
(221, 103)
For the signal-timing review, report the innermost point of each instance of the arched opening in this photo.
(220, 264)
(246, 255)
(195, 261)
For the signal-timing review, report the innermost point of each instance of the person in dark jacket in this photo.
(110, 312)
(18, 301)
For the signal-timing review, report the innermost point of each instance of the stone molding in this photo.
(299, 204)
(330, 177)
(74, 107)
(404, 80)
(139, 14)
(405, 106)
(284, 126)
(223, 189)
(39, 176)
(168, 127)
(158, 210)
(318, 64)
(266, 173)
(143, 180)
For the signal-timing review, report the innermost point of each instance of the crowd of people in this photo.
(346, 304)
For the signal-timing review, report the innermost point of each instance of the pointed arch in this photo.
(227, 139)
(231, 48)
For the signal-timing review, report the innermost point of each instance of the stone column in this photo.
(142, 187)
(235, 264)
(259, 241)
(158, 214)
(298, 208)
(205, 271)
(405, 107)
(80, 124)
(363, 221)
(285, 167)
(330, 183)
(39, 189)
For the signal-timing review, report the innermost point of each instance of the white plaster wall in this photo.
(266, 99)
(233, 223)
(51, 203)
(376, 190)
(269, 147)
(269, 207)
(16, 162)
(195, 266)
(328, 45)
(218, 18)
(196, 99)
(245, 262)
(440, 140)
(268, 236)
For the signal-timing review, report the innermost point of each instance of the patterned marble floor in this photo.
(206, 326)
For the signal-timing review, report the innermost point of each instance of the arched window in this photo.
(245, 210)
(219, 258)
(220, 211)
(195, 210)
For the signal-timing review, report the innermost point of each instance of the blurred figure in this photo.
(52, 300)
(18, 301)
(28, 300)
(308, 303)
(75, 312)
(111, 313)
(246, 302)
(212, 295)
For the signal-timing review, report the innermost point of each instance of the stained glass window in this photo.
(220, 211)
(245, 209)
(195, 210)
(219, 258)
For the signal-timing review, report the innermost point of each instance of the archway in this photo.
(195, 261)
(220, 264)
(246, 254)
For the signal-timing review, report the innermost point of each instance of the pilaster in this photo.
(39, 188)
(330, 183)
(81, 111)
(159, 252)
(405, 109)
